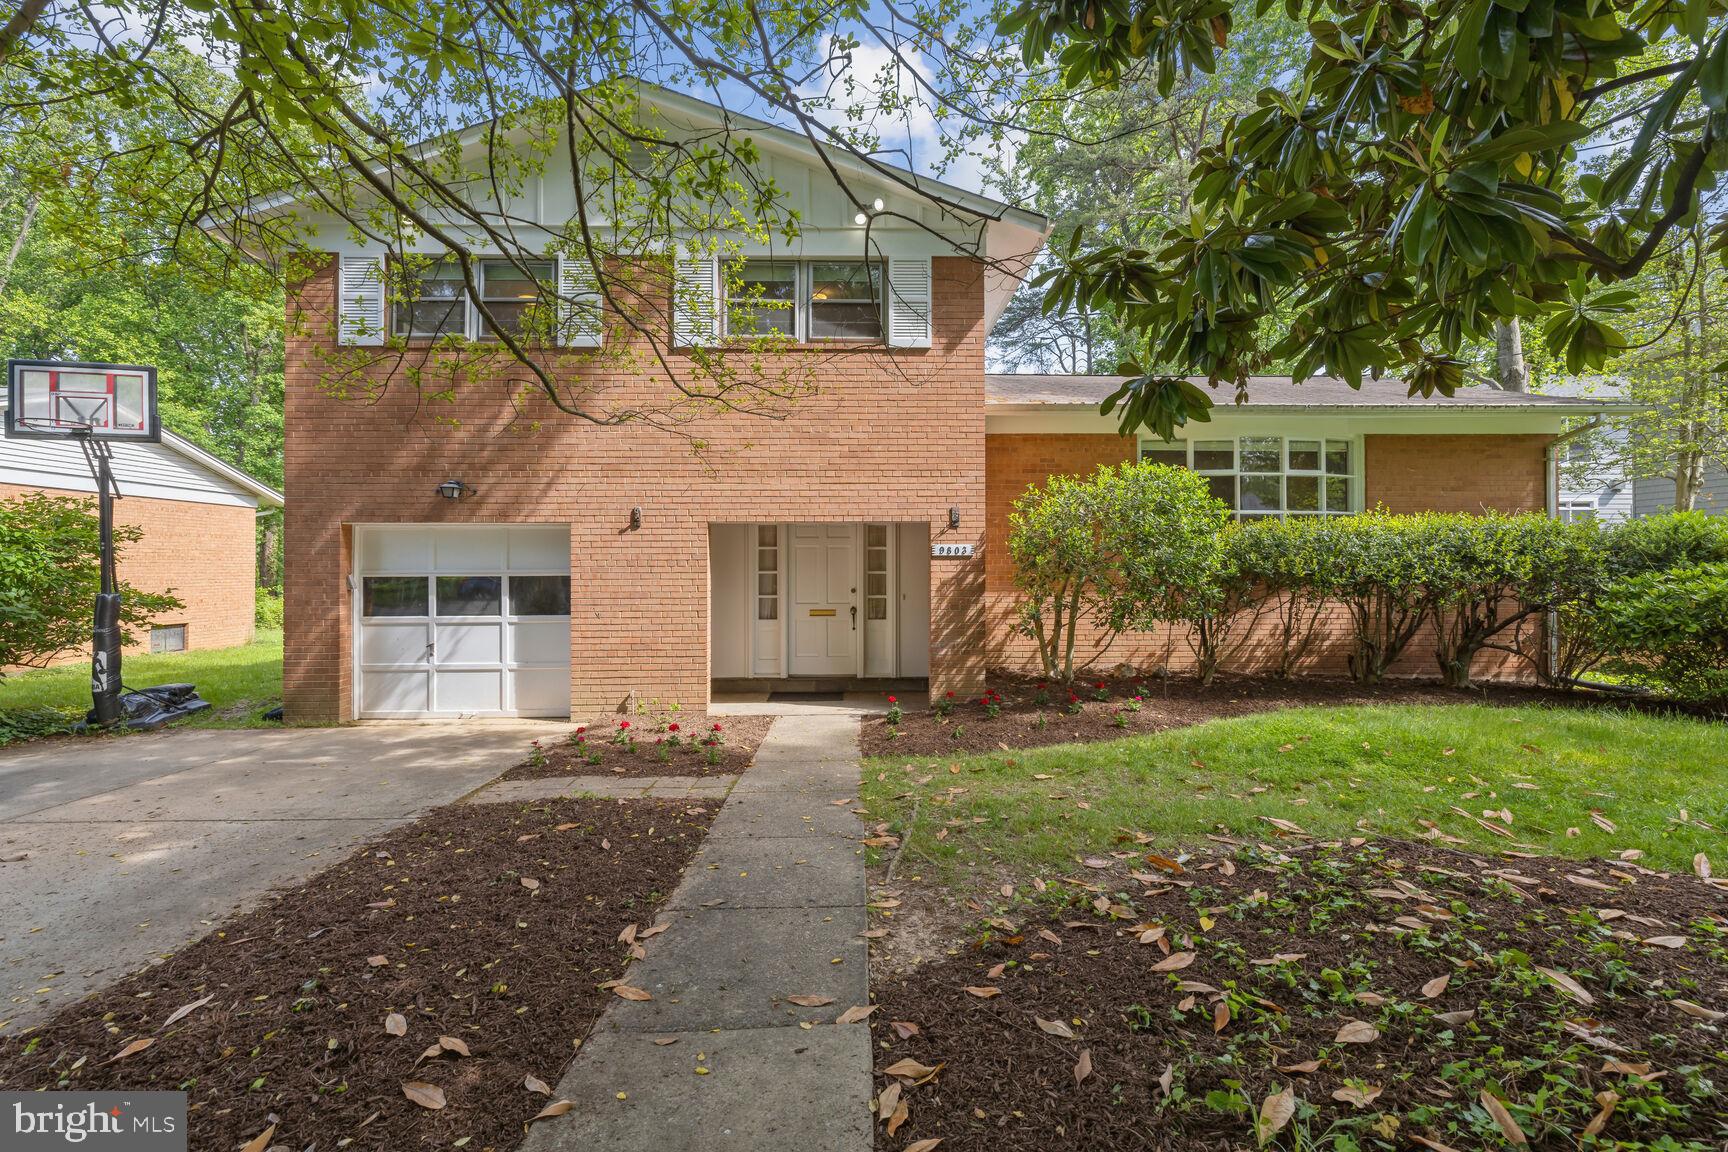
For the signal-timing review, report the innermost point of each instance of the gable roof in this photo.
(1282, 394)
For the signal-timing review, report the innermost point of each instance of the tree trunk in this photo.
(1510, 371)
(267, 535)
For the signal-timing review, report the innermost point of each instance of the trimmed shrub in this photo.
(1288, 562)
(1671, 540)
(269, 610)
(1668, 629)
(1386, 577)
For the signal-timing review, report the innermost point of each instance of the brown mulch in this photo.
(653, 748)
(1286, 950)
(1023, 722)
(294, 1029)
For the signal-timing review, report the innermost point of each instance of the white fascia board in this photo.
(266, 495)
(1034, 419)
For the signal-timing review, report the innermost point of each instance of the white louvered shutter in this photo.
(579, 304)
(360, 307)
(909, 303)
(695, 302)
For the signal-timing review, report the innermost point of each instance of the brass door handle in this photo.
(854, 617)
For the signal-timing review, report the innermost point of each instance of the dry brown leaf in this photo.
(855, 1013)
(186, 1010)
(1083, 1066)
(1436, 986)
(983, 992)
(1167, 1078)
(1503, 1118)
(1357, 1032)
(556, 1108)
(1276, 1111)
(1701, 866)
(887, 1100)
(424, 1094)
(1174, 961)
(924, 1145)
(1567, 985)
(902, 1113)
(132, 1049)
(1357, 1096)
(809, 1000)
(1054, 1027)
(646, 933)
(1456, 1018)
(1220, 1015)
(1665, 941)
(904, 1029)
(627, 992)
(1432, 1145)
(377, 961)
(451, 1044)
(1697, 1011)
(530, 883)
(1607, 1100)
(396, 1024)
(533, 1083)
(908, 1068)
(261, 1141)
(1301, 1069)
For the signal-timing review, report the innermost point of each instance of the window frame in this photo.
(164, 631)
(459, 304)
(1354, 477)
(472, 322)
(803, 300)
(477, 322)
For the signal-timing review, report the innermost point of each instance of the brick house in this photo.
(198, 516)
(858, 538)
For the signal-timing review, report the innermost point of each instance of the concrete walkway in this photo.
(114, 852)
(772, 906)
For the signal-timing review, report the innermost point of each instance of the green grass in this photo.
(239, 682)
(1334, 772)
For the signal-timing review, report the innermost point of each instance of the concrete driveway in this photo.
(133, 847)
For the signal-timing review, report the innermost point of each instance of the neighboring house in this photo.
(197, 515)
(1653, 494)
(859, 539)
(1594, 484)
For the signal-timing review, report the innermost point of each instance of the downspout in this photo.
(1551, 480)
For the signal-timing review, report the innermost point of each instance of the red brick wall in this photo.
(204, 553)
(1405, 473)
(884, 437)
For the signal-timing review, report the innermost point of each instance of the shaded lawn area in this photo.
(240, 683)
(1589, 783)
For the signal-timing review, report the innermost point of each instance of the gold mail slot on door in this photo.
(821, 611)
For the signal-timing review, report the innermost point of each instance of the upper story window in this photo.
(1269, 475)
(437, 301)
(805, 300)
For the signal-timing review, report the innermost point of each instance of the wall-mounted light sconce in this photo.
(636, 519)
(864, 217)
(953, 517)
(454, 490)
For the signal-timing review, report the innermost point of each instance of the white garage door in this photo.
(460, 620)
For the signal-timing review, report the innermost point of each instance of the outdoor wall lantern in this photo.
(864, 217)
(953, 517)
(454, 490)
(636, 519)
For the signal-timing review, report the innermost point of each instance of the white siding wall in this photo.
(152, 470)
(1656, 494)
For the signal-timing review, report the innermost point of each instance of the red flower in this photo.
(1072, 697)
(1100, 684)
(950, 695)
(1041, 687)
(672, 728)
(622, 724)
(716, 727)
(581, 728)
(893, 700)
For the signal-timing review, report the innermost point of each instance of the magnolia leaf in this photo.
(900, 1115)
(887, 1100)
(556, 1108)
(1174, 961)
(451, 1044)
(377, 961)
(1357, 1095)
(908, 1068)
(533, 1083)
(132, 1049)
(904, 1029)
(924, 1145)
(1607, 1100)
(1697, 1011)
(1436, 986)
(1301, 1069)
(1276, 1111)
(261, 1141)
(627, 992)
(1567, 985)
(186, 1010)
(530, 883)
(808, 1000)
(983, 992)
(1665, 941)
(424, 1094)
(855, 1013)
(396, 1024)
(1054, 1027)
(1503, 1118)
(1701, 866)
(1083, 1066)
(1357, 1032)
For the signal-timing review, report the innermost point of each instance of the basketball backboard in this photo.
(52, 400)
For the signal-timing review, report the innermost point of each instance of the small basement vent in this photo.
(168, 638)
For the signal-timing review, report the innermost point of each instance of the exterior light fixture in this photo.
(454, 490)
(636, 519)
(860, 219)
(876, 204)
(953, 517)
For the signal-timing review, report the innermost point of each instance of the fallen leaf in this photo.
(1275, 1112)
(1607, 1100)
(924, 1145)
(556, 1108)
(534, 1084)
(908, 1068)
(377, 961)
(1432, 1145)
(629, 993)
(1357, 1032)
(1665, 941)
(1456, 1018)
(1567, 985)
(904, 1029)
(132, 1049)
(855, 1013)
(186, 1010)
(396, 1024)
(887, 1100)
(1436, 986)
(424, 1094)
(1695, 1010)
(1503, 1118)
(810, 1001)
(1167, 1078)
(1301, 1069)
(983, 993)
(902, 1113)
(1701, 866)
(530, 883)
(1357, 1096)
(261, 1141)
(1083, 1066)
(451, 1044)
(1174, 961)
(1054, 1027)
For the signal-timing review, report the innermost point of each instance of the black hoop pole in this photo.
(105, 630)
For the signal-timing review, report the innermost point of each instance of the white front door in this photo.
(824, 608)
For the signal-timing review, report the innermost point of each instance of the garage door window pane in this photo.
(393, 596)
(539, 595)
(470, 595)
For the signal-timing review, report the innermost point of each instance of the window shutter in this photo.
(695, 304)
(909, 303)
(360, 306)
(580, 317)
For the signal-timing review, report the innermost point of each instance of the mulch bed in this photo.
(1520, 977)
(1109, 712)
(490, 924)
(649, 747)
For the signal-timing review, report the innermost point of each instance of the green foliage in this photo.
(1125, 547)
(1287, 561)
(1673, 540)
(1669, 628)
(269, 609)
(1388, 573)
(1433, 169)
(50, 573)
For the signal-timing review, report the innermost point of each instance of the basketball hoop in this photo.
(52, 400)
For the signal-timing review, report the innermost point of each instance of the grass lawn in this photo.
(1573, 782)
(239, 682)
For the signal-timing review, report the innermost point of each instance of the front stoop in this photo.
(771, 907)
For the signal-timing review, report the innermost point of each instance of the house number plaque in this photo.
(951, 550)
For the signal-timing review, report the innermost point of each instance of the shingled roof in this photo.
(1280, 393)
